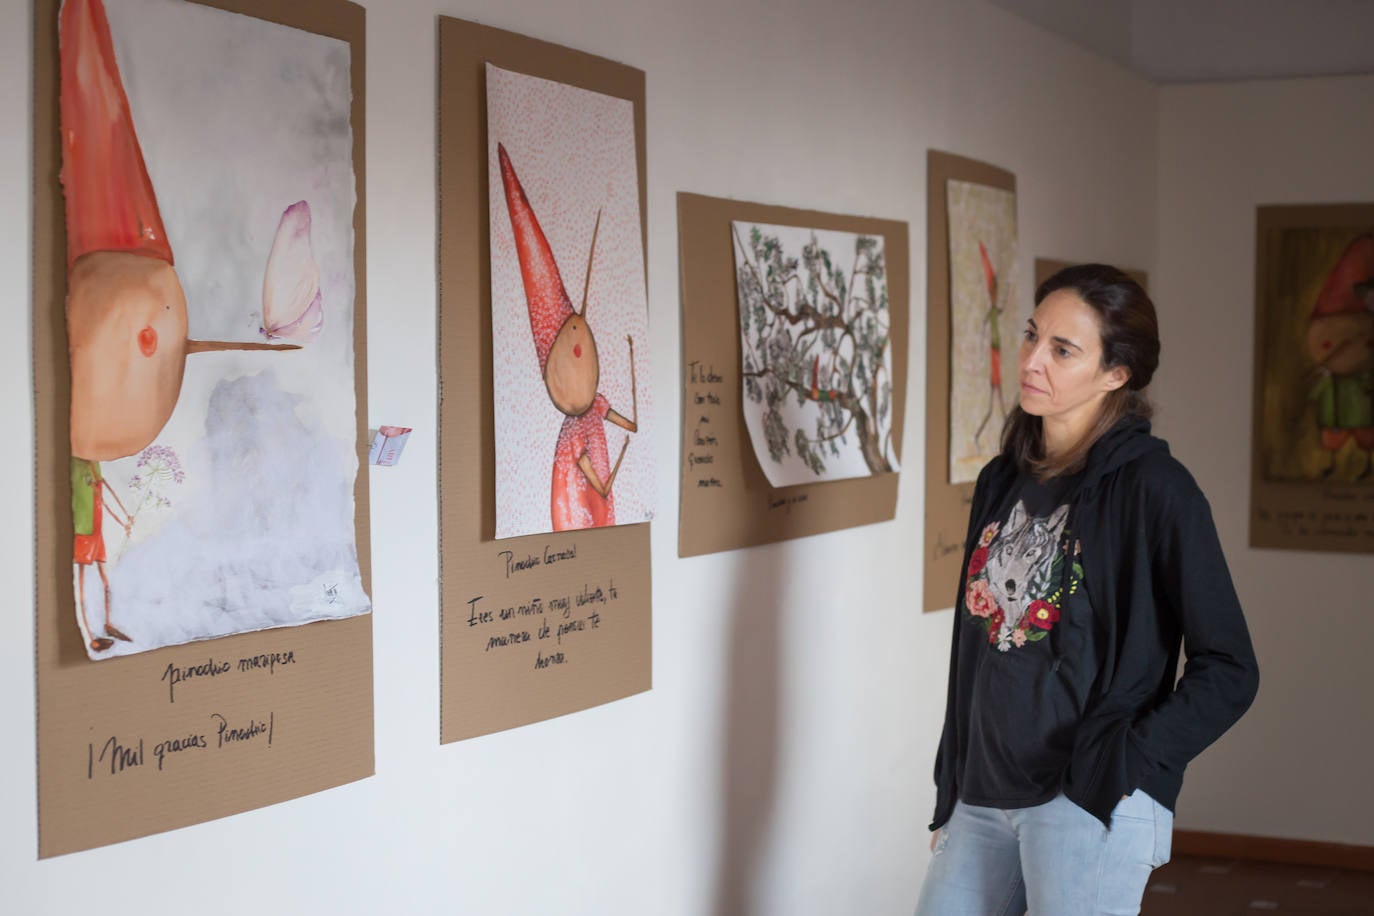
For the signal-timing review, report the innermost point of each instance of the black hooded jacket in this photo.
(1156, 578)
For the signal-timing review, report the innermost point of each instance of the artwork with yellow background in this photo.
(1317, 367)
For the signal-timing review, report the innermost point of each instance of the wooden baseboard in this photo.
(1273, 849)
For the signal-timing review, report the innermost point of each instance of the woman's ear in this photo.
(1116, 377)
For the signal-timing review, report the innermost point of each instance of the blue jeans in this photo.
(1051, 860)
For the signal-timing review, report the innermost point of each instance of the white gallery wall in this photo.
(1294, 766)
(782, 761)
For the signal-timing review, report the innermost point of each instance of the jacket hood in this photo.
(1125, 442)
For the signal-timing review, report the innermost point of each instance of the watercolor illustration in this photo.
(817, 357)
(566, 374)
(982, 257)
(1318, 368)
(183, 418)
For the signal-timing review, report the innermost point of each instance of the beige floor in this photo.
(1191, 886)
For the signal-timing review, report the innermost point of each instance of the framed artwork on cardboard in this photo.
(204, 641)
(970, 354)
(1312, 481)
(794, 371)
(544, 472)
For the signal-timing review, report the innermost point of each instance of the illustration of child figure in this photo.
(1340, 341)
(993, 319)
(580, 493)
(126, 309)
(88, 547)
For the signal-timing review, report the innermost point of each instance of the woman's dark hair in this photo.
(1130, 339)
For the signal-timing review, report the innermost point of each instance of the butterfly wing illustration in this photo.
(292, 308)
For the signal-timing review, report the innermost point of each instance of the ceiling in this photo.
(1186, 41)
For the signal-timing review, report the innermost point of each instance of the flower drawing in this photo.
(1042, 614)
(1016, 620)
(979, 600)
(159, 469)
(995, 626)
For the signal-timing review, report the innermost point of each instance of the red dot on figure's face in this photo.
(577, 350)
(147, 341)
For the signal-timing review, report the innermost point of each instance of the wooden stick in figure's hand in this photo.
(634, 389)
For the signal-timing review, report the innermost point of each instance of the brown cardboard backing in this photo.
(726, 500)
(947, 504)
(490, 681)
(316, 709)
(1301, 515)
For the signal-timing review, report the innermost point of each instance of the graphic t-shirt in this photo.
(1027, 657)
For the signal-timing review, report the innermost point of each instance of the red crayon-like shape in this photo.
(989, 275)
(110, 201)
(1355, 265)
(547, 298)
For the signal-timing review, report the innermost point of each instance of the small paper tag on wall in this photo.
(387, 445)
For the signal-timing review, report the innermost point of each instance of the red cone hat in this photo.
(110, 201)
(1356, 265)
(545, 295)
(989, 275)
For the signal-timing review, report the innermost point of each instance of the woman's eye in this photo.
(1029, 335)
(1063, 352)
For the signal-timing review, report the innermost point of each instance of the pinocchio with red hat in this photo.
(1340, 341)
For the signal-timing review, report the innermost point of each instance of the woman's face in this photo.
(1062, 378)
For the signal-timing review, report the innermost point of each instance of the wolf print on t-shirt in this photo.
(1016, 585)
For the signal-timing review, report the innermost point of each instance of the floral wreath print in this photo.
(1041, 609)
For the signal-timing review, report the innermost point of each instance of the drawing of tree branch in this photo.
(814, 333)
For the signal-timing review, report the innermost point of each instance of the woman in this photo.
(1091, 555)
